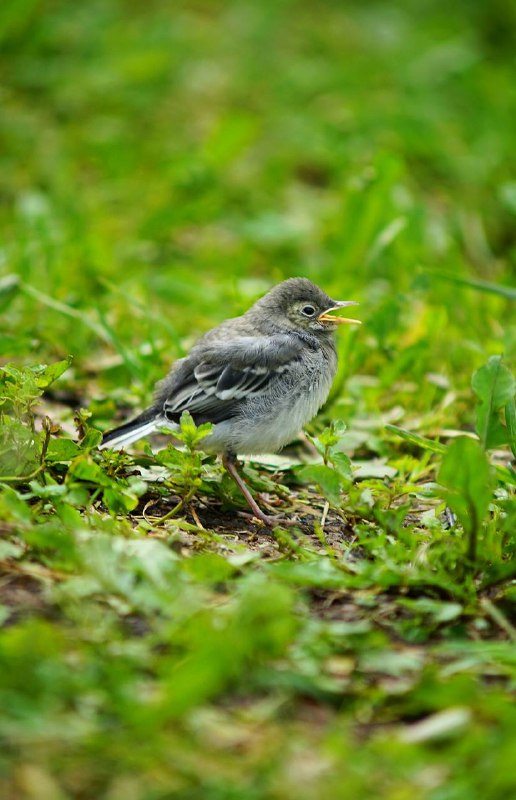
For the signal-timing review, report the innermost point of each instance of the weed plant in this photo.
(162, 165)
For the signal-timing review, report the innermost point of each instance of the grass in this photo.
(161, 168)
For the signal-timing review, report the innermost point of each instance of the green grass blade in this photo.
(510, 419)
(415, 438)
(506, 292)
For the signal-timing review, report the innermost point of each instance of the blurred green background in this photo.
(162, 164)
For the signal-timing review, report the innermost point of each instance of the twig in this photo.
(151, 502)
(498, 617)
(324, 514)
(198, 522)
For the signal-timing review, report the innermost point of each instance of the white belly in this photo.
(268, 424)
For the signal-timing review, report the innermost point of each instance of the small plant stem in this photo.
(472, 543)
(324, 514)
(179, 507)
(198, 522)
(22, 478)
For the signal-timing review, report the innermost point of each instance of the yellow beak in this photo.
(325, 316)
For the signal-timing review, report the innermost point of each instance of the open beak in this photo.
(325, 316)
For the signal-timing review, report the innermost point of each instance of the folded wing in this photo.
(216, 379)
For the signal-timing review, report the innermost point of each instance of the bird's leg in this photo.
(229, 463)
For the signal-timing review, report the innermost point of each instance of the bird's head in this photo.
(298, 304)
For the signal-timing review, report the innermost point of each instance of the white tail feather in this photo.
(128, 437)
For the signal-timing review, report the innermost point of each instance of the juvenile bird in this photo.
(258, 378)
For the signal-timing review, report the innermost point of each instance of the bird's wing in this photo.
(217, 377)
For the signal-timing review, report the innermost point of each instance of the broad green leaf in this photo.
(495, 386)
(47, 375)
(209, 567)
(18, 391)
(326, 478)
(320, 572)
(498, 572)
(190, 433)
(331, 435)
(342, 464)
(440, 611)
(20, 449)
(14, 507)
(85, 469)
(119, 500)
(69, 515)
(62, 450)
(339, 427)
(171, 457)
(466, 475)
(92, 439)
(53, 490)
(122, 496)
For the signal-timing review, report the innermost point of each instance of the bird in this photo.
(258, 378)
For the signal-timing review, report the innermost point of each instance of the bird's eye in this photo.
(308, 311)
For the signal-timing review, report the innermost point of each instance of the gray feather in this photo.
(258, 378)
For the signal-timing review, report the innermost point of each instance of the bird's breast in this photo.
(267, 422)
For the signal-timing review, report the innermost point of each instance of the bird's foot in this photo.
(265, 519)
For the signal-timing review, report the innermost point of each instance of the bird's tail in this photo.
(130, 432)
